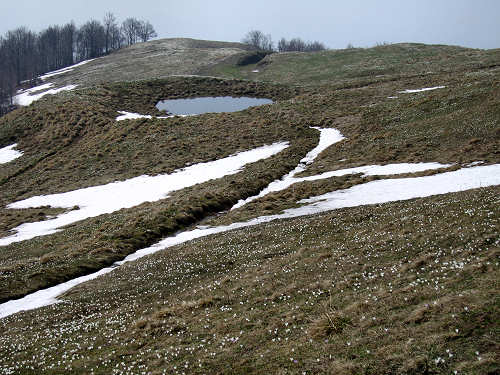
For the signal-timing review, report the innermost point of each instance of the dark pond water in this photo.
(197, 106)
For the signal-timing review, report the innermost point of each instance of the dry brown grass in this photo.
(400, 288)
(384, 301)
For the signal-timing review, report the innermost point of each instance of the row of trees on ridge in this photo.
(264, 42)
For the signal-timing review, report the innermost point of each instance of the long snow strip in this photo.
(327, 138)
(410, 91)
(374, 192)
(104, 199)
(124, 115)
(8, 153)
(64, 70)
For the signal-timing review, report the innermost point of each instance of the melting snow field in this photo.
(98, 200)
(374, 192)
(8, 153)
(327, 138)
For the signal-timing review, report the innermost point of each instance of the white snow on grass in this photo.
(409, 91)
(45, 86)
(133, 116)
(374, 192)
(474, 163)
(64, 70)
(378, 170)
(8, 153)
(104, 199)
(327, 138)
(382, 191)
(45, 297)
(25, 98)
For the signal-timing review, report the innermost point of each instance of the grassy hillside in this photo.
(154, 59)
(74, 141)
(370, 290)
(405, 287)
(360, 65)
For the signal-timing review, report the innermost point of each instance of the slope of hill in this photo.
(403, 287)
(154, 59)
(360, 65)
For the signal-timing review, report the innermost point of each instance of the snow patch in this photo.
(383, 191)
(133, 116)
(64, 70)
(327, 137)
(409, 91)
(474, 163)
(104, 199)
(45, 86)
(8, 153)
(25, 98)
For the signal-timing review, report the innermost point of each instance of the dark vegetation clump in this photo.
(251, 58)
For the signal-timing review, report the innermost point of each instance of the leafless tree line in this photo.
(264, 42)
(25, 55)
(298, 45)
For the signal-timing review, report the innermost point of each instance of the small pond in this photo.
(197, 106)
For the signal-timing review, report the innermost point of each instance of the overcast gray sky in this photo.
(469, 23)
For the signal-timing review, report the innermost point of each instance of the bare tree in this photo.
(130, 30)
(67, 42)
(117, 38)
(315, 46)
(25, 55)
(259, 40)
(7, 78)
(109, 24)
(20, 53)
(91, 40)
(282, 45)
(146, 31)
